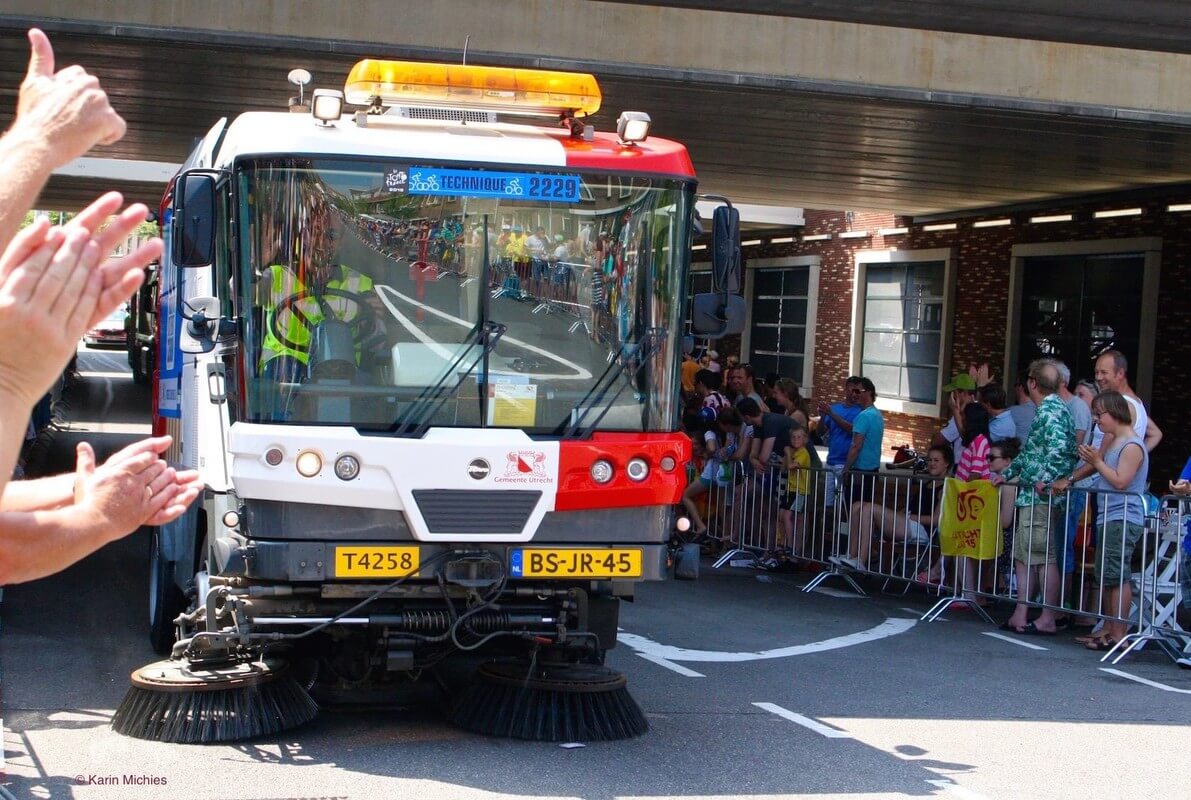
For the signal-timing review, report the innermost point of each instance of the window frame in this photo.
(892, 257)
(1141, 374)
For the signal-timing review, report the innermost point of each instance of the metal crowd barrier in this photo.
(885, 524)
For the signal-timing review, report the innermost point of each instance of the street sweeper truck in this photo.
(426, 358)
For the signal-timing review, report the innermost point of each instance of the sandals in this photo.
(1101, 644)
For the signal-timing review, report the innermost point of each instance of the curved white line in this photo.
(890, 627)
(581, 373)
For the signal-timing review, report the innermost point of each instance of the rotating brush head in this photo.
(172, 701)
(551, 703)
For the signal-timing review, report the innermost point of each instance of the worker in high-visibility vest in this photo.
(288, 361)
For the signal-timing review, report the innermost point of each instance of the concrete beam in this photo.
(939, 66)
(119, 169)
(785, 216)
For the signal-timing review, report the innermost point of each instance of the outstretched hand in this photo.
(67, 108)
(981, 373)
(134, 487)
(52, 291)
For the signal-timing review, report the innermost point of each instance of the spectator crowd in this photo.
(1070, 460)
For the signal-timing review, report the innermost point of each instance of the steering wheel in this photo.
(364, 314)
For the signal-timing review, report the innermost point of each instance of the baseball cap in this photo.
(962, 382)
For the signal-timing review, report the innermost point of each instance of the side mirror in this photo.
(722, 311)
(193, 235)
(716, 314)
(725, 249)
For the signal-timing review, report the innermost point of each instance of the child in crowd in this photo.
(973, 461)
(720, 442)
(797, 462)
(973, 465)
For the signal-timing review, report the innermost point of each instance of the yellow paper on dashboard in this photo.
(971, 524)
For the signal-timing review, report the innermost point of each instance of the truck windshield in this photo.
(369, 290)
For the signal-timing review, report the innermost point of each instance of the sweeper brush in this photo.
(550, 703)
(175, 701)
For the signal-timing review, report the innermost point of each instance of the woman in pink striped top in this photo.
(973, 462)
(973, 465)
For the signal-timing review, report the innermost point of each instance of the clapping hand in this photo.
(981, 374)
(52, 290)
(134, 487)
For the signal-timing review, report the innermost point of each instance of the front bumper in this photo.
(314, 562)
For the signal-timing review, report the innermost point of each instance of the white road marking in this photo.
(806, 722)
(1122, 674)
(957, 790)
(88, 374)
(890, 627)
(581, 374)
(670, 665)
(1012, 640)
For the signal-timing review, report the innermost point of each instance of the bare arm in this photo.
(854, 450)
(763, 453)
(109, 502)
(1153, 434)
(825, 409)
(42, 494)
(1127, 467)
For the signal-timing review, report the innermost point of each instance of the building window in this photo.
(777, 333)
(901, 319)
(1074, 300)
(1073, 308)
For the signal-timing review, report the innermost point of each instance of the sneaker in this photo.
(1185, 663)
(847, 561)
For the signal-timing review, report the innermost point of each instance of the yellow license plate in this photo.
(376, 562)
(577, 562)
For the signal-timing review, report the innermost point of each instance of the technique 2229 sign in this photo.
(474, 183)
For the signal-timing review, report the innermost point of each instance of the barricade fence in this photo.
(1099, 557)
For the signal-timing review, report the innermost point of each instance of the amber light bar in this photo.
(524, 91)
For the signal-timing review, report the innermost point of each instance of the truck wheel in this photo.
(165, 598)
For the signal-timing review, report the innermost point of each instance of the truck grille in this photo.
(471, 511)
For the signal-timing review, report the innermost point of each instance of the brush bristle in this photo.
(543, 715)
(223, 715)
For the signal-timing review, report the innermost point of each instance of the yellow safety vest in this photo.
(285, 283)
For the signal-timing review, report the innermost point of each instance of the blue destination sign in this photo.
(508, 185)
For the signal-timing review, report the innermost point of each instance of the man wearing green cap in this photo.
(961, 390)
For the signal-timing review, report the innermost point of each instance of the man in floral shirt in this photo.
(1048, 454)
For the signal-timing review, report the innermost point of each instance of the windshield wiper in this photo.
(431, 398)
(626, 363)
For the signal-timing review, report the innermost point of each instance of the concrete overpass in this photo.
(916, 107)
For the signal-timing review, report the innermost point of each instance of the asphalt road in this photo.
(752, 688)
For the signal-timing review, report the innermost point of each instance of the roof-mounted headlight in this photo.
(326, 105)
(632, 127)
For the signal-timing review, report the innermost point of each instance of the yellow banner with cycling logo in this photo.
(971, 523)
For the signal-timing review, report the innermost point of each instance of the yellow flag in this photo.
(971, 524)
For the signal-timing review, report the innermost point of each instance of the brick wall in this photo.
(982, 296)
